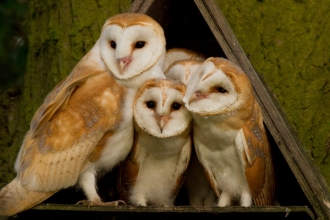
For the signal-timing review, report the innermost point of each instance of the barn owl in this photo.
(229, 136)
(198, 189)
(154, 171)
(176, 54)
(85, 125)
(182, 70)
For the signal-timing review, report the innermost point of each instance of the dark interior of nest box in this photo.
(185, 27)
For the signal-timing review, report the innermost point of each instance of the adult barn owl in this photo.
(229, 136)
(198, 189)
(154, 171)
(85, 125)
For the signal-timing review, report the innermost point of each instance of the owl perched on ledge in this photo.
(154, 171)
(229, 136)
(85, 125)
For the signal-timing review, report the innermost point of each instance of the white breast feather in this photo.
(157, 176)
(224, 162)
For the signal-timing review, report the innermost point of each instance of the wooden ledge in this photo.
(57, 211)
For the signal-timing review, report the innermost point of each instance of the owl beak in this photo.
(124, 62)
(162, 121)
(198, 95)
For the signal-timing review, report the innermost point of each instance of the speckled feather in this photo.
(259, 169)
(80, 117)
(50, 163)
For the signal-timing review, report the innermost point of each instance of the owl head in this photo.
(131, 45)
(176, 54)
(182, 70)
(219, 88)
(159, 110)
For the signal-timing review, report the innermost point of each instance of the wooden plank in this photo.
(140, 6)
(179, 212)
(308, 176)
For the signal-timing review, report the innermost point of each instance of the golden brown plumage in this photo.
(72, 134)
(62, 138)
(259, 169)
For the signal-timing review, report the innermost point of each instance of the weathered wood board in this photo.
(51, 211)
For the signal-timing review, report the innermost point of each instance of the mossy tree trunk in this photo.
(60, 33)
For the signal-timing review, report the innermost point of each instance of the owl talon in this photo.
(99, 203)
(84, 202)
(120, 202)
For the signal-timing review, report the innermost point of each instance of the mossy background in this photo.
(287, 42)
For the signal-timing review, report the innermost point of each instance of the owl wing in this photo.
(66, 130)
(207, 168)
(129, 171)
(258, 159)
(182, 166)
(58, 98)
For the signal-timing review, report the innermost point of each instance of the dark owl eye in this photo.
(221, 89)
(113, 44)
(139, 44)
(176, 106)
(150, 104)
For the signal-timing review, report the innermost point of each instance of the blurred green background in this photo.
(14, 45)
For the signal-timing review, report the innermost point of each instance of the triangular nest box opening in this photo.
(185, 27)
(199, 25)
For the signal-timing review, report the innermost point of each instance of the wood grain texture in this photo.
(131, 212)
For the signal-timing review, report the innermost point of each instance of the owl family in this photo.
(85, 125)
(154, 171)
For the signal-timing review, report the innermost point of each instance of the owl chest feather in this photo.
(159, 161)
(161, 148)
(215, 133)
(216, 149)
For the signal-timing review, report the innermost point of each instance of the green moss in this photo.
(61, 33)
(9, 101)
(287, 43)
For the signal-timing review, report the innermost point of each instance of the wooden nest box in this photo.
(199, 25)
